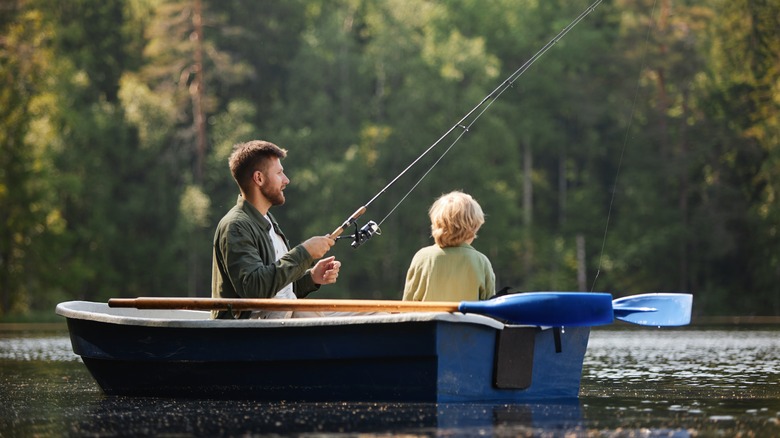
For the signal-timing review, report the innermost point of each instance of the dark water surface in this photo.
(693, 382)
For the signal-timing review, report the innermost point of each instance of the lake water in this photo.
(693, 382)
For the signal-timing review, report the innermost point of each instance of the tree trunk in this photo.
(197, 91)
(527, 208)
(683, 196)
(581, 270)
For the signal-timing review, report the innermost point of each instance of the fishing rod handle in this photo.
(359, 212)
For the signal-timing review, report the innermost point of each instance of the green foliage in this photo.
(650, 132)
(27, 215)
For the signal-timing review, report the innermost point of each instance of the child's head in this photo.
(455, 218)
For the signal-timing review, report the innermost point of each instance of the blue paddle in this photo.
(659, 309)
(556, 309)
(585, 308)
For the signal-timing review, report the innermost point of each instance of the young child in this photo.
(451, 269)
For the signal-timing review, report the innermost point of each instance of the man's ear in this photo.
(258, 177)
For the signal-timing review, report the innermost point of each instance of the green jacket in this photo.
(244, 265)
(457, 273)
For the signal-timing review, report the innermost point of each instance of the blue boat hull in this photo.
(438, 357)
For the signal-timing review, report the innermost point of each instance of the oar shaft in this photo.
(307, 305)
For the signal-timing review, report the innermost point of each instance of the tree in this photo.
(27, 213)
(740, 185)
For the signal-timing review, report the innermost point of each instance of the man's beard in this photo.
(275, 196)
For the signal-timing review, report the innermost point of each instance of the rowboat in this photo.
(467, 355)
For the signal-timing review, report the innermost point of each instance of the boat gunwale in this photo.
(100, 312)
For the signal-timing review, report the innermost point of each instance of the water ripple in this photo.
(55, 348)
(726, 362)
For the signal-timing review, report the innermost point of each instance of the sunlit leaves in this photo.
(194, 207)
(152, 116)
(651, 130)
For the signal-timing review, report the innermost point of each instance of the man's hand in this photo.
(318, 246)
(326, 271)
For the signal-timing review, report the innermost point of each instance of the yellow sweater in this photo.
(458, 273)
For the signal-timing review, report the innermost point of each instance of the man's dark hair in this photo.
(252, 156)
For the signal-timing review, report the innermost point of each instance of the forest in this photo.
(639, 153)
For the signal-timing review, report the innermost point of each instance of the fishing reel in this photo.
(363, 234)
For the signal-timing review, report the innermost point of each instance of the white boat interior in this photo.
(94, 311)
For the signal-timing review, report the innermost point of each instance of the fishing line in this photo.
(623, 150)
(426, 172)
(372, 227)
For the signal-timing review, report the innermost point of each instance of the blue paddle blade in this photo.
(555, 309)
(658, 309)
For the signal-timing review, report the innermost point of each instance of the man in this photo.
(251, 257)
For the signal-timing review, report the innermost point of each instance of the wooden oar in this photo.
(533, 308)
(279, 304)
(536, 308)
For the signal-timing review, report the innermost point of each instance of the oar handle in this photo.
(307, 305)
(350, 220)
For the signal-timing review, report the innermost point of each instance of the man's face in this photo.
(274, 182)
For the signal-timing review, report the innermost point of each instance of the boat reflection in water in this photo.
(155, 416)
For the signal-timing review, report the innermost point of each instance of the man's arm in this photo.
(250, 265)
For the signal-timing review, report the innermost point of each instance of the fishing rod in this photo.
(371, 228)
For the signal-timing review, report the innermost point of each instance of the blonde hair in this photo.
(455, 218)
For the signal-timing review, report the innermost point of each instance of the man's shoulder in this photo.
(235, 214)
(236, 219)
